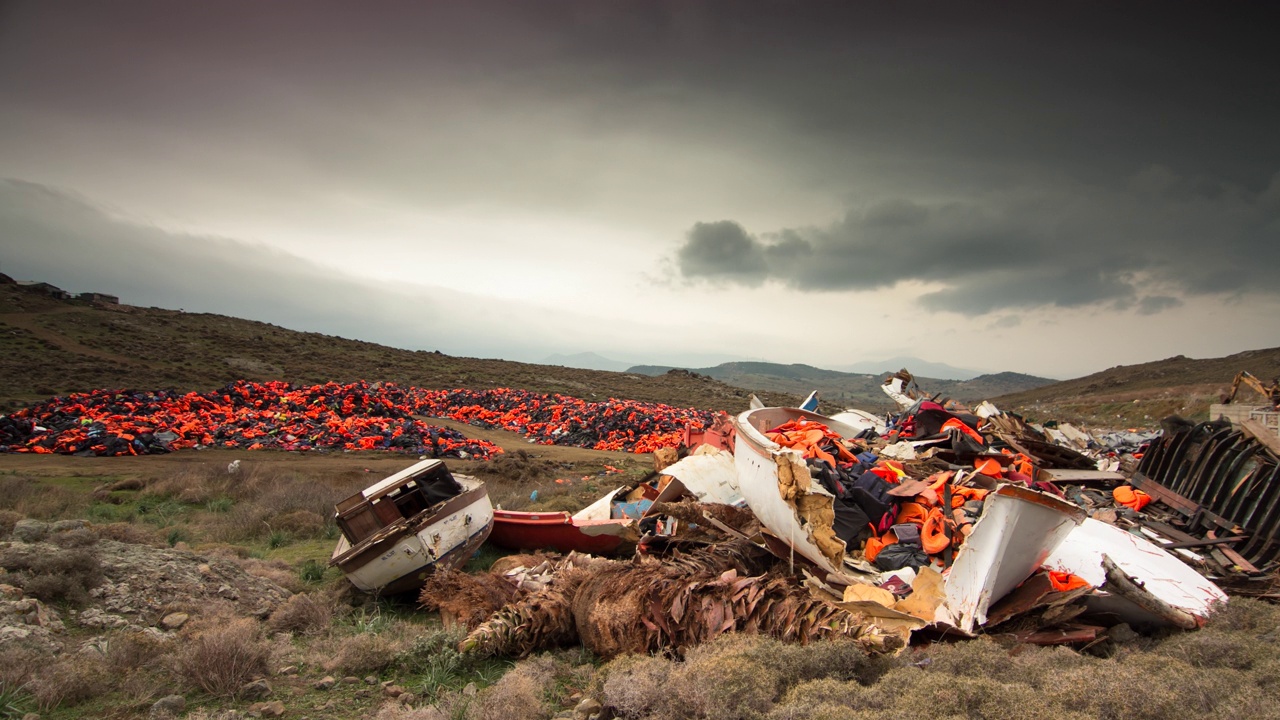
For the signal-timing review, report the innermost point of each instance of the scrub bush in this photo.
(223, 658)
(62, 575)
(304, 614)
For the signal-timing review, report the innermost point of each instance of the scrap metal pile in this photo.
(356, 416)
(935, 521)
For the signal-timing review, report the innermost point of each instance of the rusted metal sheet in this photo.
(1220, 477)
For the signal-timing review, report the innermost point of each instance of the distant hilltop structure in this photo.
(59, 293)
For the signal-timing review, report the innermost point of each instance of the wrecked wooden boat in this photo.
(400, 529)
(601, 528)
(767, 471)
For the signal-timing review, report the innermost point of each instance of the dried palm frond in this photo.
(540, 620)
(639, 609)
(465, 599)
(695, 525)
(668, 605)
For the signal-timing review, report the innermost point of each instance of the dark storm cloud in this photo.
(923, 95)
(1066, 247)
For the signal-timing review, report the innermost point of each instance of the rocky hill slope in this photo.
(50, 346)
(1142, 394)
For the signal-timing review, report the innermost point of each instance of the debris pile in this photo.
(937, 520)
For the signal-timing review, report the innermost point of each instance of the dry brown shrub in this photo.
(18, 662)
(245, 521)
(52, 502)
(455, 708)
(126, 484)
(196, 485)
(915, 693)
(77, 538)
(725, 680)
(14, 490)
(70, 680)
(826, 699)
(63, 575)
(223, 658)
(129, 651)
(363, 654)
(521, 692)
(127, 533)
(225, 551)
(277, 571)
(8, 519)
(298, 523)
(304, 614)
(1245, 615)
(636, 686)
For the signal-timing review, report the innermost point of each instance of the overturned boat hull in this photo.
(399, 530)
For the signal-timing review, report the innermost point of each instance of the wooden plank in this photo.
(1065, 475)
(1262, 434)
(1235, 557)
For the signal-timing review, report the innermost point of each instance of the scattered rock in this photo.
(28, 636)
(255, 690)
(9, 592)
(30, 531)
(588, 708)
(95, 618)
(394, 691)
(370, 680)
(407, 698)
(289, 670)
(67, 525)
(1122, 633)
(174, 621)
(169, 706)
(325, 683)
(351, 679)
(274, 708)
(29, 611)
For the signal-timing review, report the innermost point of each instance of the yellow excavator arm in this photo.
(1270, 392)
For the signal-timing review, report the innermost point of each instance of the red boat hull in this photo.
(559, 531)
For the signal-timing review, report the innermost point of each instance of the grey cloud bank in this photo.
(1064, 248)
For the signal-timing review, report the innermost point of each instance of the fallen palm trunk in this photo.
(650, 606)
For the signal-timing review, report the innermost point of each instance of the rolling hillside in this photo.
(1143, 394)
(50, 347)
(840, 389)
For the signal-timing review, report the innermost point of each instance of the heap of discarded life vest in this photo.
(623, 425)
(980, 525)
(357, 416)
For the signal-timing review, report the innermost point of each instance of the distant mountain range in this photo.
(586, 361)
(915, 365)
(838, 389)
(924, 368)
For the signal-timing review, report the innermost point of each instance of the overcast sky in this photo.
(1051, 190)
